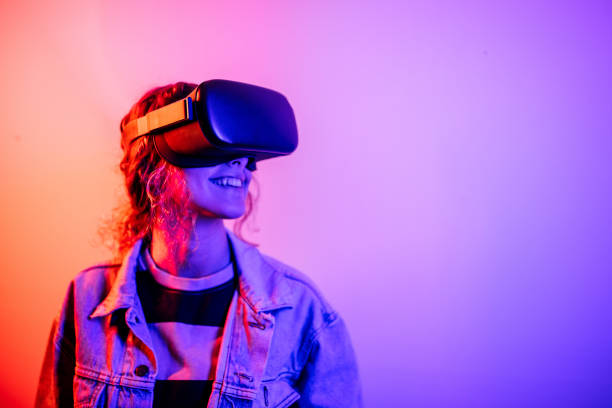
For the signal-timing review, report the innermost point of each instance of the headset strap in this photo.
(169, 115)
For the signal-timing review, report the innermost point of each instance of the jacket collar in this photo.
(259, 284)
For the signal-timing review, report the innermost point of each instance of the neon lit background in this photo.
(451, 193)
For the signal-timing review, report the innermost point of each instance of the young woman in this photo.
(191, 315)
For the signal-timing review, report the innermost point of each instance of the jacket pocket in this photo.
(87, 392)
(276, 394)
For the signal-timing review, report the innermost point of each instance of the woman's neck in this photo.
(207, 250)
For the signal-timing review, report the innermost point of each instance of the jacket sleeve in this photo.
(330, 377)
(57, 373)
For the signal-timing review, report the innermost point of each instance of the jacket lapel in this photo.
(249, 325)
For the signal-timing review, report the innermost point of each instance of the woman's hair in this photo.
(157, 193)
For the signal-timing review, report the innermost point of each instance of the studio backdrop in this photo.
(451, 193)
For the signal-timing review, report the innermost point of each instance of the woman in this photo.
(192, 315)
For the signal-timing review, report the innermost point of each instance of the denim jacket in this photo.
(282, 343)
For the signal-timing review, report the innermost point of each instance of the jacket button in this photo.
(141, 370)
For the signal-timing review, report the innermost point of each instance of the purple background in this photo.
(451, 193)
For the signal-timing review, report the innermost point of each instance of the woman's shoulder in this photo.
(102, 271)
(276, 281)
(105, 273)
(292, 276)
(299, 287)
(92, 284)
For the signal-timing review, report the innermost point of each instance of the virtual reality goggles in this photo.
(219, 121)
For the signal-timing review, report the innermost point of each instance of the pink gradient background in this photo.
(451, 194)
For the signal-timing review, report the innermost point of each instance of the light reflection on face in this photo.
(219, 191)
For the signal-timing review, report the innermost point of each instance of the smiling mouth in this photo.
(227, 182)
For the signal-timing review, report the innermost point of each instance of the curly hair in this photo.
(156, 189)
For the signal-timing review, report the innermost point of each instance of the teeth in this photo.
(228, 181)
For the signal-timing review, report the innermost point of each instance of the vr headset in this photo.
(219, 121)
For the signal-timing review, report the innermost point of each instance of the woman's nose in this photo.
(242, 162)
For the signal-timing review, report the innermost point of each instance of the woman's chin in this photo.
(232, 216)
(223, 213)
